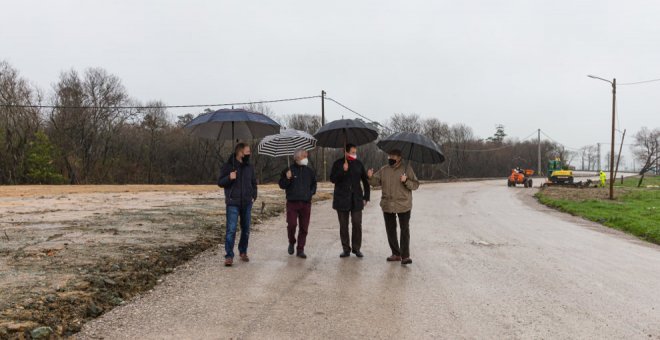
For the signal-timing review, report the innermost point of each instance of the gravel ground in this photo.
(489, 262)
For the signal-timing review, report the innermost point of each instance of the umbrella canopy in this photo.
(285, 143)
(414, 147)
(338, 133)
(232, 124)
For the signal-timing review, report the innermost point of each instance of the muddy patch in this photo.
(70, 254)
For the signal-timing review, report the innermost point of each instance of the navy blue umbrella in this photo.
(233, 124)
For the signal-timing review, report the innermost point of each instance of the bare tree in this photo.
(18, 125)
(154, 121)
(645, 150)
(88, 120)
(401, 122)
(303, 122)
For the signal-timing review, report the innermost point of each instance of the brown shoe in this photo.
(394, 258)
(407, 260)
(229, 261)
(245, 258)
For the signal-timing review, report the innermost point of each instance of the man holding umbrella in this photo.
(240, 184)
(398, 182)
(350, 198)
(299, 181)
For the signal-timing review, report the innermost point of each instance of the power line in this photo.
(444, 147)
(351, 110)
(640, 82)
(552, 139)
(158, 107)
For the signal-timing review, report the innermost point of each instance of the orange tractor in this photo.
(520, 176)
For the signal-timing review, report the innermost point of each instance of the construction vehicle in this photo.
(520, 176)
(562, 175)
(558, 173)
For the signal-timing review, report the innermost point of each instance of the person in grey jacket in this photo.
(299, 181)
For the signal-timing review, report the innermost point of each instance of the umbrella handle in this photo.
(345, 138)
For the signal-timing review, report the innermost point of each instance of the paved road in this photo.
(488, 263)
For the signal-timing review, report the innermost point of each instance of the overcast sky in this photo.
(518, 63)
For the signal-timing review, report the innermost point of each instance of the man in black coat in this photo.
(299, 181)
(350, 197)
(240, 184)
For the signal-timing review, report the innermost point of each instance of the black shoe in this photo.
(290, 248)
(358, 253)
(345, 254)
(301, 254)
(407, 260)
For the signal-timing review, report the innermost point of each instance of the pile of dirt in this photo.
(69, 254)
(581, 194)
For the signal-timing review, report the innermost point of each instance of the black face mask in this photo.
(391, 161)
(246, 159)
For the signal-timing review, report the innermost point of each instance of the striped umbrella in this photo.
(285, 143)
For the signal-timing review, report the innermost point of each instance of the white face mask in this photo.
(303, 162)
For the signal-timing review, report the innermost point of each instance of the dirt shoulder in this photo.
(71, 253)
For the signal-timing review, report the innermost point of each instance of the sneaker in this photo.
(245, 258)
(358, 253)
(394, 258)
(291, 248)
(407, 260)
(229, 261)
(302, 255)
(345, 254)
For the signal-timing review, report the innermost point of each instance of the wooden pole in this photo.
(618, 158)
(612, 142)
(325, 164)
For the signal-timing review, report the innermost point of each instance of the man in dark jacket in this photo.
(240, 184)
(299, 181)
(350, 197)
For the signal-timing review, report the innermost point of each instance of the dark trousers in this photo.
(390, 226)
(297, 214)
(356, 221)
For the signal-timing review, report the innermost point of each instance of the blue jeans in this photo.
(233, 214)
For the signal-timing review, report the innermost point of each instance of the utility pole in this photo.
(539, 153)
(325, 165)
(618, 158)
(611, 161)
(612, 142)
(599, 168)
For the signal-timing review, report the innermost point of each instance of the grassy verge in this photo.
(635, 210)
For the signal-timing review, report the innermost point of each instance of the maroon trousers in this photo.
(297, 214)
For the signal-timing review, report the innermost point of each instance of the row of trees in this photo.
(92, 137)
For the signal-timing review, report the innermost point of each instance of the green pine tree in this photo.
(40, 156)
(499, 135)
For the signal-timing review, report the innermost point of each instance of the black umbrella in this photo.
(413, 147)
(232, 124)
(338, 133)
